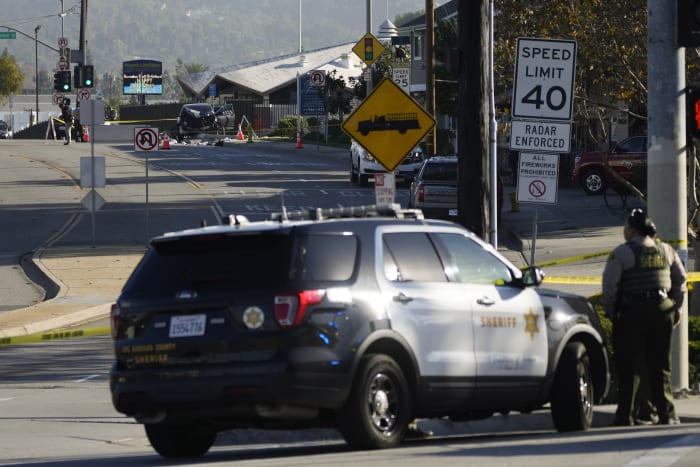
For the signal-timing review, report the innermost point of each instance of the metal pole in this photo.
(667, 155)
(492, 139)
(534, 237)
(370, 85)
(36, 69)
(430, 71)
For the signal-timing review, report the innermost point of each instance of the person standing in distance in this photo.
(644, 286)
(67, 117)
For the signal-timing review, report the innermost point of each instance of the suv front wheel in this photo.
(180, 440)
(378, 411)
(572, 391)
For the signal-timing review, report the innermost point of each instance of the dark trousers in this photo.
(642, 346)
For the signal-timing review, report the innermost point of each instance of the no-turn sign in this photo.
(145, 139)
(544, 79)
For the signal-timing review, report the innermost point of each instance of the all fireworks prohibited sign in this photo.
(538, 177)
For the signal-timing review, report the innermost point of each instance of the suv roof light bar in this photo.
(393, 210)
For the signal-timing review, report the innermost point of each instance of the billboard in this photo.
(143, 77)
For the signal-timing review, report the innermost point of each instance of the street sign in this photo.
(145, 139)
(544, 79)
(538, 177)
(384, 188)
(83, 94)
(313, 102)
(62, 42)
(62, 63)
(8, 35)
(401, 74)
(93, 198)
(368, 48)
(317, 77)
(388, 124)
(532, 135)
(92, 172)
(57, 98)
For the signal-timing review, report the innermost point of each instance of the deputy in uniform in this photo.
(644, 285)
(67, 117)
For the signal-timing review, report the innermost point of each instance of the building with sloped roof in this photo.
(273, 80)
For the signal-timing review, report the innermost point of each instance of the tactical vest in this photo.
(651, 270)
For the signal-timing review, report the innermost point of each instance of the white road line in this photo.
(87, 378)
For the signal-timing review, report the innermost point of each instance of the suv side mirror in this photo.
(532, 276)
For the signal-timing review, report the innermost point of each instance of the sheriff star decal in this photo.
(531, 323)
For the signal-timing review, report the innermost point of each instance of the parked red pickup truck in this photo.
(628, 159)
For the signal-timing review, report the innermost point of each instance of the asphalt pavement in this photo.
(570, 239)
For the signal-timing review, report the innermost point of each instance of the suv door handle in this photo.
(402, 298)
(485, 301)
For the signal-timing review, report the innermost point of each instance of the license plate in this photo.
(187, 325)
(452, 212)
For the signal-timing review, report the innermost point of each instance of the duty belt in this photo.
(658, 294)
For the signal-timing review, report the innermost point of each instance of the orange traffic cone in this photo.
(240, 133)
(166, 141)
(86, 134)
(299, 146)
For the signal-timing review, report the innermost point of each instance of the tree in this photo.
(611, 37)
(11, 77)
(183, 68)
(338, 101)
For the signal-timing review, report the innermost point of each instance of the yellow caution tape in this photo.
(55, 335)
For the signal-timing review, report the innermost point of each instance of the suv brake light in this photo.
(291, 307)
(421, 193)
(115, 319)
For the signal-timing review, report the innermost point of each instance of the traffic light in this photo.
(688, 19)
(61, 81)
(76, 76)
(692, 111)
(369, 49)
(86, 77)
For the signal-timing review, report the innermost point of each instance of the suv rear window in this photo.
(440, 171)
(228, 262)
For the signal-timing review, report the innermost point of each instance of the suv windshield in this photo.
(232, 262)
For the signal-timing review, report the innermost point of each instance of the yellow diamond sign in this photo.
(389, 124)
(368, 48)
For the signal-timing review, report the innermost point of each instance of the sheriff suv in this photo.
(361, 318)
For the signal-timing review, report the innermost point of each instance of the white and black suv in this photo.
(364, 166)
(361, 318)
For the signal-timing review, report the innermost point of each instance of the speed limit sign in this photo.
(544, 79)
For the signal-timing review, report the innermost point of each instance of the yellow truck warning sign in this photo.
(389, 124)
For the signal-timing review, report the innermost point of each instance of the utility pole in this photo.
(370, 85)
(473, 139)
(430, 71)
(667, 154)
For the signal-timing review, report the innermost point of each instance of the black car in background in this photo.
(194, 119)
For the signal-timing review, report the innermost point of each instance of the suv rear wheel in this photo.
(572, 391)
(378, 411)
(180, 440)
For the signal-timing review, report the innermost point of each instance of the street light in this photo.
(36, 70)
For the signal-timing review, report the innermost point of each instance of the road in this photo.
(55, 411)
(54, 398)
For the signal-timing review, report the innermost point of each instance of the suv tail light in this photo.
(290, 307)
(115, 318)
(421, 193)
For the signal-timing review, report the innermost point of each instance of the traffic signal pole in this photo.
(667, 184)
